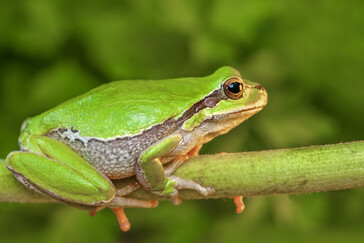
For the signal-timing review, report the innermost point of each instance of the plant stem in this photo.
(298, 170)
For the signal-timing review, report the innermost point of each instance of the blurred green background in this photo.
(309, 55)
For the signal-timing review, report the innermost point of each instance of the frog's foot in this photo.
(188, 184)
(175, 183)
(118, 204)
(238, 200)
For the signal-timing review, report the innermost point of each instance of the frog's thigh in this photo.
(150, 171)
(61, 173)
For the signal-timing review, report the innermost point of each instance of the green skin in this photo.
(127, 109)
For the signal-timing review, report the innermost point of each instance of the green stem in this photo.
(298, 170)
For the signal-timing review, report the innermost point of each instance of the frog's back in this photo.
(126, 108)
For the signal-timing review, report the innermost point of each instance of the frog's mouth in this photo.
(240, 115)
(255, 109)
(237, 117)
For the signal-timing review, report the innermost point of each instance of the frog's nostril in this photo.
(258, 87)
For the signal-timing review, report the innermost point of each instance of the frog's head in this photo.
(232, 101)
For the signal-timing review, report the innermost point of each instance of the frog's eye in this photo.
(234, 88)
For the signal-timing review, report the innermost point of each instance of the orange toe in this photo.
(238, 200)
(123, 220)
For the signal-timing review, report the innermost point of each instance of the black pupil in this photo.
(235, 87)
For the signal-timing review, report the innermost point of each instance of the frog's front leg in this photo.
(150, 172)
(57, 171)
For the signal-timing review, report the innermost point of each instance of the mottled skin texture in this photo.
(115, 158)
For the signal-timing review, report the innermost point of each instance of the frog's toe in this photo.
(175, 199)
(238, 200)
(188, 184)
(123, 220)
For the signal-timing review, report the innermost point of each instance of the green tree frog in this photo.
(133, 127)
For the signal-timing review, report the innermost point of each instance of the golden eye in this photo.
(234, 88)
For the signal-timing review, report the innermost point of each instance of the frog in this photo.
(143, 128)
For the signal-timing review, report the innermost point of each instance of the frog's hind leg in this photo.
(57, 171)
